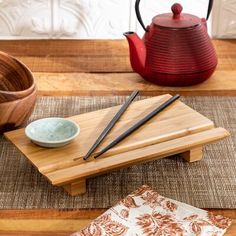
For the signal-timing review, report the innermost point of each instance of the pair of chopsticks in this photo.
(131, 129)
(112, 123)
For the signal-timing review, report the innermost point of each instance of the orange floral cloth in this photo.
(146, 213)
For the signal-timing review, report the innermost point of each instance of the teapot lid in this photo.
(176, 20)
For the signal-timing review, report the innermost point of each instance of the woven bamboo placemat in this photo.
(210, 183)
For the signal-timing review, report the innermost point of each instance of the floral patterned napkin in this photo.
(146, 213)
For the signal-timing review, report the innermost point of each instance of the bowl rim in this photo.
(33, 85)
(57, 141)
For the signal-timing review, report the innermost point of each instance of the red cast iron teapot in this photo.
(175, 50)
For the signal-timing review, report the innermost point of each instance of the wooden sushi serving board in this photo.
(177, 130)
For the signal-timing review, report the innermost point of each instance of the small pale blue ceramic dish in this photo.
(52, 132)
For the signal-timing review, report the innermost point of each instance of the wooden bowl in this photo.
(15, 113)
(16, 80)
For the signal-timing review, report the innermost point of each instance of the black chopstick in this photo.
(138, 124)
(111, 124)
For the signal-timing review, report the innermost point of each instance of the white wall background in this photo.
(224, 16)
(99, 19)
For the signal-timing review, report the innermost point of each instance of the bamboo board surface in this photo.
(148, 153)
(176, 130)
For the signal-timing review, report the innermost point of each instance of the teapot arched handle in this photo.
(210, 4)
(139, 15)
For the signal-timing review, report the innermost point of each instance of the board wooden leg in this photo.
(76, 188)
(193, 155)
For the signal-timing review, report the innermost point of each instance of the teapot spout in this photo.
(137, 51)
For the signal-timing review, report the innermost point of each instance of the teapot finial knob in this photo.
(176, 9)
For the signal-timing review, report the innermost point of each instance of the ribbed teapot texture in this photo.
(175, 50)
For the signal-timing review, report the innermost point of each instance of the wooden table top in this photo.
(101, 67)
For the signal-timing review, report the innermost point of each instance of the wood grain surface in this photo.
(144, 154)
(16, 81)
(92, 55)
(161, 128)
(222, 83)
(63, 223)
(60, 65)
(15, 114)
(71, 55)
(177, 129)
(71, 59)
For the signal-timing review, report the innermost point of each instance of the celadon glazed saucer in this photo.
(52, 132)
